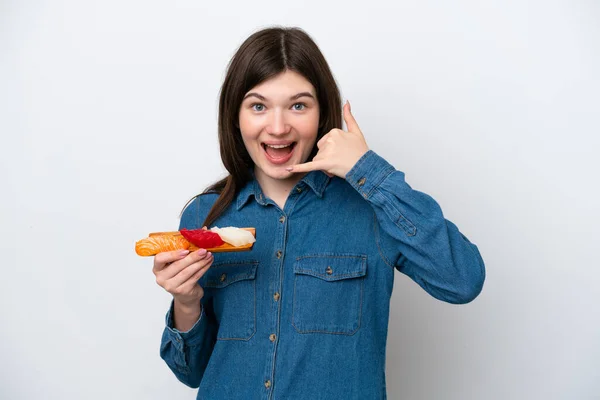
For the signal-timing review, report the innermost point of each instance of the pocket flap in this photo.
(224, 274)
(332, 267)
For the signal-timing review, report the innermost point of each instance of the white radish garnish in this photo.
(234, 236)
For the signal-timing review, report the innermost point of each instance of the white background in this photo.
(108, 126)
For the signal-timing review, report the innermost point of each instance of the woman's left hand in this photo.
(338, 150)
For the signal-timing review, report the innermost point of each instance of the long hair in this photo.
(262, 56)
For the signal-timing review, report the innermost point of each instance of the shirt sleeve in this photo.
(187, 353)
(413, 235)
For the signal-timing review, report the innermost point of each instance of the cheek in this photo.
(250, 128)
(308, 127)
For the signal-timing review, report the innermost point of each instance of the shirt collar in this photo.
(251, 188)
(316, 180)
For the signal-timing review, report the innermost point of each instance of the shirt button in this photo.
(362, 181)
(267, 384)
(272, 337)
(299, 189)
(223, 277)
(276, 296)
(278, 253)
(329, 270)
(282, 219)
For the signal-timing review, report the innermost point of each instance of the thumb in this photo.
(351, 123)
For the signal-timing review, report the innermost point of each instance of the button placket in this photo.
(275, 286)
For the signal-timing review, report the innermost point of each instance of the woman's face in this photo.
(279, 121)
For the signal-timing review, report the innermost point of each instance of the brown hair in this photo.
(263, 55)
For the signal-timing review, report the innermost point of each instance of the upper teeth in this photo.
(278, 146)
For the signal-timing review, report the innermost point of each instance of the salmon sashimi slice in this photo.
(158, 243)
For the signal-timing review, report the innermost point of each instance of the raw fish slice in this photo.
(155, 244)
(234, 236)
(202, 238)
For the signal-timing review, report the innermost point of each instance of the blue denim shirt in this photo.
(304, 314)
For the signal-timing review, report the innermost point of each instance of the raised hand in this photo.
(338, 150)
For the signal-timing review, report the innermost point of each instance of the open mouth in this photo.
(279, 153)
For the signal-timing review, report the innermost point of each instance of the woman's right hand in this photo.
(178, 273)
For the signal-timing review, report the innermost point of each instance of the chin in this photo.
(282, 174)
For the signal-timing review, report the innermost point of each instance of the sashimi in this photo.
(155, 244)
(234, 236)
(202, 238)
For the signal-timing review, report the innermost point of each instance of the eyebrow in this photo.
(294, 97)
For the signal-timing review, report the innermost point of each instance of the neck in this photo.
(277, 189)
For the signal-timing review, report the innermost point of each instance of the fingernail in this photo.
(349, 106)
(208, 254)
(184, 253)
(289, 168)
(201, 252)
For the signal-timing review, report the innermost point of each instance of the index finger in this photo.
(161, 260)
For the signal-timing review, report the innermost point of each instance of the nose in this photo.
(277, 124)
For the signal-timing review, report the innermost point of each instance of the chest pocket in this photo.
(328, 293)
(232, 287)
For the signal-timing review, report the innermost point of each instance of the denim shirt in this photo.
(304, 314)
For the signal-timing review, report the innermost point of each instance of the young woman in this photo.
(304, 314)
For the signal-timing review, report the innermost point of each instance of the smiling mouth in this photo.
(279, 154)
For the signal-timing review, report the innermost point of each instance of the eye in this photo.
(299, 106)
(258, 107)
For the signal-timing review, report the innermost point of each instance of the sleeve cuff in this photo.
(189, 337)
(368, 173)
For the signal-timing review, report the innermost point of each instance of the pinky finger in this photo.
(199, 274)
(194, 279)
